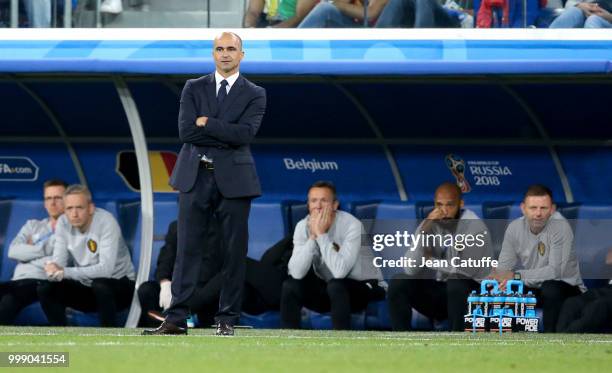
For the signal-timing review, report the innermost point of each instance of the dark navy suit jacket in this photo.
(225, 138)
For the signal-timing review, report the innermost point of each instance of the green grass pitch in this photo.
(125, 350)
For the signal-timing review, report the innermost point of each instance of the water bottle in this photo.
(497, 303)
(530, 304)
(473, 301)
(510, 306)
(520, 306)
(488, 287)
(511, 283)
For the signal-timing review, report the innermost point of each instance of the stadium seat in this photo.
(33, 314)
(20, 212)
(377, 316)
(5, 214)
(592, 242)
(423, 208)
(501, 210)
(294, 211)
(110, 206)
(498, 215)
(323, 321)
(396, 211)
(78, 318)
(570, 212)
(364, 210)
(164, 213)
(266, 320)
(266, 227)
(129, 221)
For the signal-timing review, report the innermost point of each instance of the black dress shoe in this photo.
(166, 328)
(224, 329)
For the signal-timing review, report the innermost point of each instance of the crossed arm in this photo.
(209, 131)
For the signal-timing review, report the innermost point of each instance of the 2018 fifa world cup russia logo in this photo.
(456, 165)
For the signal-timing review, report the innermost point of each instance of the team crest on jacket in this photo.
(541, 248)
(92, 246)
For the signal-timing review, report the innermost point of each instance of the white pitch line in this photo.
(442, 338)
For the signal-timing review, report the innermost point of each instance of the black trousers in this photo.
(341, 296)
(261, 293)
(15, 296)
(590, 312)
(204, 302)
(435, 299)
(105, 295)
(551, 296)
(196, 209)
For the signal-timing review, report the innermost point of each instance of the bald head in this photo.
(448, 201)
(449, 189)
(227, 53)
(228, 34)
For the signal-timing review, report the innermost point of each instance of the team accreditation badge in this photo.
(541, 248)
(92, 246)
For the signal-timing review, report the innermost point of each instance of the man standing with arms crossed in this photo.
(215, 174)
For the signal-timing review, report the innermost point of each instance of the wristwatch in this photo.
(517, 276)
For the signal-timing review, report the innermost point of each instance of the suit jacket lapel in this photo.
(233, 93)
(211, 95)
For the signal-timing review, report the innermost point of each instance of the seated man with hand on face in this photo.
(441, 293)
(91, 268)
(329, 268)
(538, 249)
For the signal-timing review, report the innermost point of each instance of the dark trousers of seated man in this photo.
(550, 296)
(340, 296)
(261, 293)
(15, 296)
(590, 312)
(437, 300)
(105, 295)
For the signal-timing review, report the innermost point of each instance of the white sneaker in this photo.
(111, 6)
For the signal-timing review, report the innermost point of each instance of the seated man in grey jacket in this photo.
(538, 249)
(91, 268)
(32, 248)
(329, 268)
(445, 271)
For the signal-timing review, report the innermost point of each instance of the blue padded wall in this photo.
(423, 168)
(52, 161)
(359, 171)
(588, 172)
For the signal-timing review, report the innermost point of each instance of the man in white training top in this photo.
(329, 269)
(538, 249)
(91, 268)
(31, 248)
